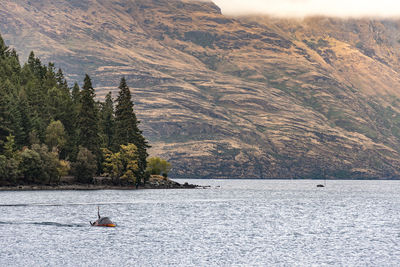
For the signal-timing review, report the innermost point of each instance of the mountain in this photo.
(232, 97)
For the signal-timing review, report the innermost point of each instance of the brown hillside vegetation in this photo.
(232, 97)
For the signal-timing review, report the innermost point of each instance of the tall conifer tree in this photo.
(35, 65)
(3, 48)
(126, 127)
(75, 94)
(107, 121)
(5, 123)
(62, 83)
(88, 129)
(76, 104)
(22, 138)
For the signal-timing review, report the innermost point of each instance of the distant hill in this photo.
(227, 97)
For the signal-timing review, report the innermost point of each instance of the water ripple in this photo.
(242, 223)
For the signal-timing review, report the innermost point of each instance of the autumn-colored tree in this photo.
(112, 165)
(130, 162)
(122, 166)
(157, 166)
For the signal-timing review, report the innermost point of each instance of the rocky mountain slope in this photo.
(218, 96)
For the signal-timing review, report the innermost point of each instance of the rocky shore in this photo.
(101, 183)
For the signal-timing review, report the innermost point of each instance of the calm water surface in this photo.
(235, 223)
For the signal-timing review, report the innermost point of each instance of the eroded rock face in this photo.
(232, 97)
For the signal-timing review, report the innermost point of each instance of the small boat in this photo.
(320, 185)
(102, 221)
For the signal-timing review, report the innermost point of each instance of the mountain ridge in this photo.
(228, 97)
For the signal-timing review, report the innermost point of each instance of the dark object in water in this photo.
(102, 221)
(320, 185)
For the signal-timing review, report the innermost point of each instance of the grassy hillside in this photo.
(233, 97)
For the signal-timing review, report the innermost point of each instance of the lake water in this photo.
(235, 223)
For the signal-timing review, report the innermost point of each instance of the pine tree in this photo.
(15, 68)
(5, 95)
(126, 127)
(61, 82)
(37, 100)
(107, 121)
(49, 81)
(9, 65)
(72, 142)
(76, 94)
(22, 138)
(88, 129)
(17, 127)
(35, 66)
(5, 124)
(61, 107)
(3, 48)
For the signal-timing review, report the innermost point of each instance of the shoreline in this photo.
(169, 184)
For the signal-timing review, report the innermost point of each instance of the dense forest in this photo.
(49, 130)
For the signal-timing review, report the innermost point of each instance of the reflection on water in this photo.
(252, 222)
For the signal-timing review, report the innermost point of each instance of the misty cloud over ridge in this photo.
(304, 8)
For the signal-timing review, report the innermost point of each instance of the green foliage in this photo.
(129, 158)
(33, 138)
(5, 123)
(38, 165)
(123, 165)
(9, 169)
(64, 168)
(126, 127)
(125, 119)
(157, 166)
(37, 106)
(35, 66)
(31, 166)
(85, 166)
(55, 135)
(76, 98)
(107, 121)
(9, 147)
(112, 164)
(24, 121)
(61, 107)
(3, 47)
(61, 81)
(88, 130)
(50, 163)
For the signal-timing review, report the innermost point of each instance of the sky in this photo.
(302, 8)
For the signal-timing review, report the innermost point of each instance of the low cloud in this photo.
(303, 8)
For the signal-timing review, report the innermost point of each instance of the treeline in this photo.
(48, 130)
